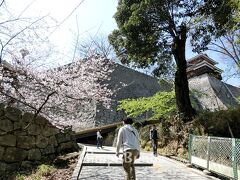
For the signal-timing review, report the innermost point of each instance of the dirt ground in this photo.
(60, 169)
(64, 167)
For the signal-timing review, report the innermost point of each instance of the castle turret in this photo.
(202, 64)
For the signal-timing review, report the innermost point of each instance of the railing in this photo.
(216, 154)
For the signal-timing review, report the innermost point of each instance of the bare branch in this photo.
(67, 17)
(14, 36)
(26, 8)
(75, 48)
(2, 3)
(231, 51)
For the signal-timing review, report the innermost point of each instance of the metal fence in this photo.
(216, 154)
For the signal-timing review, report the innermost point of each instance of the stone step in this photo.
(114, 164)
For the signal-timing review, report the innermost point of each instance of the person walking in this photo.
(128, 139)
(99, 139)
(154, 139)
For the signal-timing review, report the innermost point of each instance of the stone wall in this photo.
(129, 84)
(86, 116)
(136, 85)
(25, 142)
(213, 94)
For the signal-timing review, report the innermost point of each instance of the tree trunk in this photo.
(181, 82)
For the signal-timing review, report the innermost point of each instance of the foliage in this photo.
(216, 123)
(45, 170)
(19, 176)
(150, 32)
(42, 171)
(238, 99)
(236, 5)
(160, 105)
(147, 29)
(222, 123)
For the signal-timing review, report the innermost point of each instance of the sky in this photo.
(88, 17)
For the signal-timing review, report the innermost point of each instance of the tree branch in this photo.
(3, 46)
(2, 3)
(46, 100)
(15, 99)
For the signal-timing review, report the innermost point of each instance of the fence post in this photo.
(190, 148)
(208, 151)
(234, 159)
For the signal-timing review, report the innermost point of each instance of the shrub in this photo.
(224, 123)
(45, 170)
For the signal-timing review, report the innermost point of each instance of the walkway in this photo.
(102, 164)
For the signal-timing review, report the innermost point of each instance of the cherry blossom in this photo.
(57, 93)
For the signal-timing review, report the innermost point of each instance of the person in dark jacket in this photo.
(154, 139)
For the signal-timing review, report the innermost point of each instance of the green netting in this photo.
(221, 151)
(238, 153)
(199, 146)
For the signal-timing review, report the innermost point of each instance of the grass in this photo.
(61, 168)
(43, 170)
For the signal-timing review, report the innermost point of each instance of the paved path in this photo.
(102, 164)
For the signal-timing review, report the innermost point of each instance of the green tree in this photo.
(236, 4)
(228, 44)
(153, 31)
(160, 105)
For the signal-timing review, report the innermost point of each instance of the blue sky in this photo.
(92, 16)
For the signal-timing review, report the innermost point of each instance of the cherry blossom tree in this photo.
(57, 93)
(29, 83)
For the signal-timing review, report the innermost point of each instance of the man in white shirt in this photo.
(99, 139)
(128, 139)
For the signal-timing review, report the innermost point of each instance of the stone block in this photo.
(13, 167)
(27, 117)
(8, 140)
(63, 137)
(53, 141)
(6, 125)
(48, 150)
(2, 109)
(26, 142)
(49, 131)
(13, 154)
(67, 147)
(3, 167)
(34, 129)
(20, 133)
(34, 154)
(48, 158)
(27, 164)
(41, 120)
(13, 113)
(2, 149)
(17, 125)
(42, 142)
